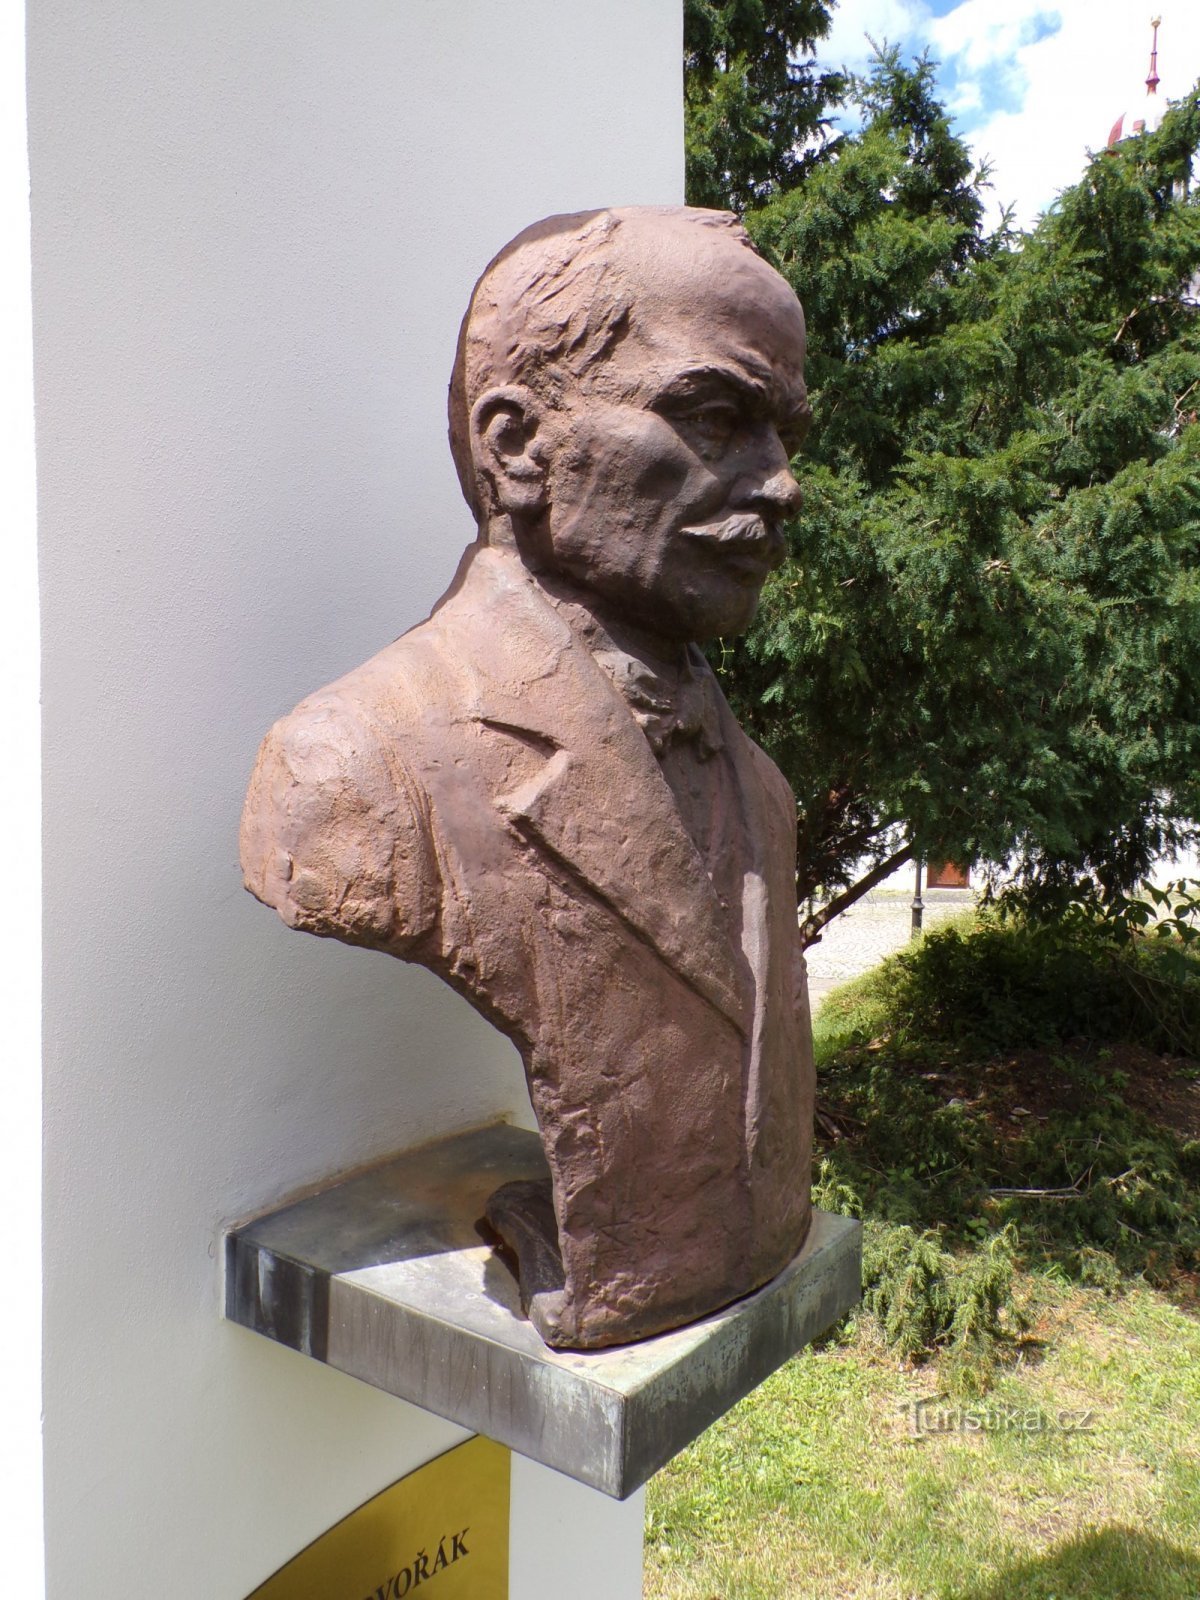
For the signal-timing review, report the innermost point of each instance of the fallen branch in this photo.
(1069, 1193)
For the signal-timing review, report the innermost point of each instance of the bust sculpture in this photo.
(540, 792)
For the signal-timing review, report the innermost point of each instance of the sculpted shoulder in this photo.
(335, 831)
(775, 785)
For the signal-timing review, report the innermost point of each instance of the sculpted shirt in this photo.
(678, 707)
(485, 797)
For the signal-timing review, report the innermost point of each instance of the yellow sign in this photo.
(440, 1534)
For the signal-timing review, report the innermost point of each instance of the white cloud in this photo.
(1068, 86)
(1076, 82)
(856, 21)
(983, 32)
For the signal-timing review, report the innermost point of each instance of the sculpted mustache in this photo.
(745, 531)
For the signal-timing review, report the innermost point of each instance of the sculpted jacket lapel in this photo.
(600, 804)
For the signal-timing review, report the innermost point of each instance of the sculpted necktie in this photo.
(679, 707)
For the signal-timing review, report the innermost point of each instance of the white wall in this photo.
(255, 226)
(20, 956)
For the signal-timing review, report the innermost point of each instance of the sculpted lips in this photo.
(746, 546)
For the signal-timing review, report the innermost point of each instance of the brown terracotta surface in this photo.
(541, 794)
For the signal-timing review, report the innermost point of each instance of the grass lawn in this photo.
(1070, 1470)
(1077, 1477)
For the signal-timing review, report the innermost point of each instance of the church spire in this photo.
(1151, 115)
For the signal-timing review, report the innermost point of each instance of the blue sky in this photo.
(1032, 84)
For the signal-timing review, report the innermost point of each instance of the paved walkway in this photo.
(874, 927)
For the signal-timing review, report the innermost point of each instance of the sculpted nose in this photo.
(782, 493)
(769, 488)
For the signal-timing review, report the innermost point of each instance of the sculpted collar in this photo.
(670, 702)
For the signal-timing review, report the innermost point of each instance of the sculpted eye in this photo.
(715, 421)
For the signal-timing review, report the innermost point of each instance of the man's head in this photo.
(628, 388)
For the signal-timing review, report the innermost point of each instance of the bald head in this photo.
(554, 304)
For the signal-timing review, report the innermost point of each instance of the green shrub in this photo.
(1098, 1178)
(1008, 984)
(929, 1301)
(1122, 1192)
(916, 1087)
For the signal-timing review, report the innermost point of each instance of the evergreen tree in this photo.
(987, 642)
(755, 107)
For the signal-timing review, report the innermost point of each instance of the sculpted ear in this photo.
(508, 451)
